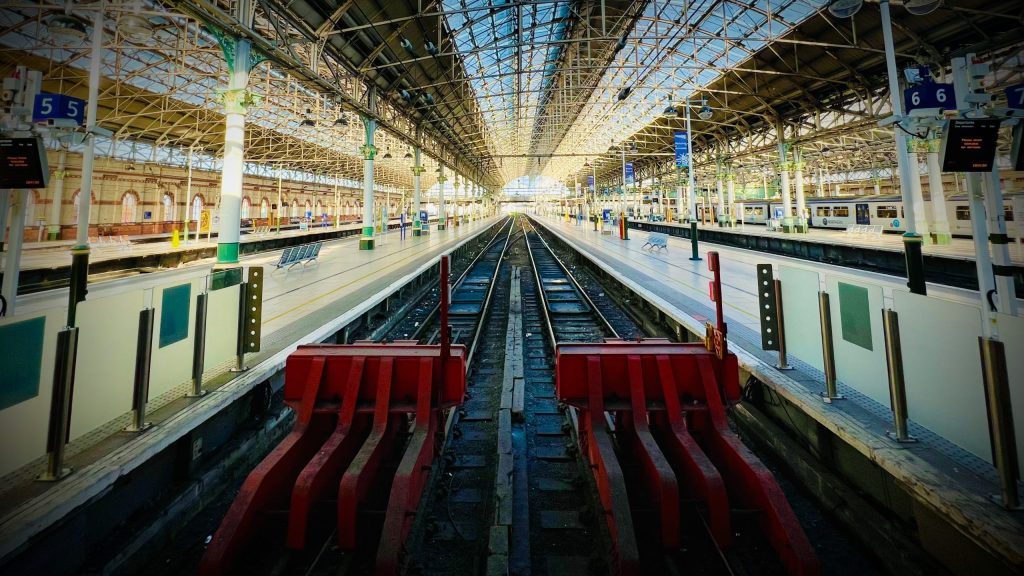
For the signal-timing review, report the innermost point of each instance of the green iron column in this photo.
(369, 152)
(787, 201)
(237, 99)
(442, 216)
(801, 202)
(419, 227)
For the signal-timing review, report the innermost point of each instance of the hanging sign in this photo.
(629, 173)
(929, 95)
(969, 144)
(58, 106)
(682, 141)
(1015, 97)
(23, 163)
(590, 181)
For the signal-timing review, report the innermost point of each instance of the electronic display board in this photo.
(23, 163)
(969, 144)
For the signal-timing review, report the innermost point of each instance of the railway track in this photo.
(542, 510)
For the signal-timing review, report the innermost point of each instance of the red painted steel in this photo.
(351, 403)
(668, 402)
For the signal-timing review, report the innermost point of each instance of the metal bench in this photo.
(299, 255)
(656, 240)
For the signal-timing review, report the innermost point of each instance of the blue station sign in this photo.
(58, 106)
(929, 95)
(682, 142)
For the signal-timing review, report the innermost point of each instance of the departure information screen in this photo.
(969, 145)
(23, 163)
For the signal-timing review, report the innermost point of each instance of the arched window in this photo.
(30, 207)
(197, 207)
(129, 207)
(264, 208)
(295, 209)
(168, 207)
(319, 209)
(309, 208)
(246, 205)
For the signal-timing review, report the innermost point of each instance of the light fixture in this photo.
(921, 7)
(586, 163)
(670, 110)
(387, 154)
(844, 8)
(135, 28)
(430, 48)
(705, 112)
(341, 121)
(408, 154)
(407, 44)
(624, 93)
(66, 30)
(307, 122)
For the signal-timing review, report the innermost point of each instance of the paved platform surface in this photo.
(301, 305)
(52, 254)
(946, 478)
(958, 248)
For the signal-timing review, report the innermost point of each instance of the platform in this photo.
(951, 264)
(948, 473)
(48, 263)
(302, 305)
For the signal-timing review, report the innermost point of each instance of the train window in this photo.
(963, 212)
(886, 212)
(823, 211)
(1008, 213)
(841, 212)
(754, 210)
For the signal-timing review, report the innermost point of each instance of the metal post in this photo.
(693, 240)
(911, 239)
(828, 354)
(1000, 420)
(240, 347)
(199, 346)
(897, 385)
(780, 327)
(143, 356)
(60, 405)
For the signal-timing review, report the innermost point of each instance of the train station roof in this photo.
(498, 89)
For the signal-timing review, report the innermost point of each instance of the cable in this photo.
(909, 133)
(3, 306)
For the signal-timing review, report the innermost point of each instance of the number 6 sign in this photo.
(929, 95)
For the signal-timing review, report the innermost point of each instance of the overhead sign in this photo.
(969, 145)
(929, 95)
(629, 173)
(23, 163)
(1015, 96)
(682, 141)
(590, 181)
(1017, 147)
(58, 106)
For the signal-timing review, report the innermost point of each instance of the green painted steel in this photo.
(174, 314)
(225, 278)
(21, 355)
(227, 253)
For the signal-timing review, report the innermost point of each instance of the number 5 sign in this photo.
(929, 95)
(49, 106)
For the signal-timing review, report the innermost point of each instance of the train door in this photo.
(863, 215)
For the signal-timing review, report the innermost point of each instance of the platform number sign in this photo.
(929, 95)
(58, 106)
(1015, 97)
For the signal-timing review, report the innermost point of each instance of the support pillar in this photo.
(722, 217)
(787, 202)
(12, 267)
(442, 215)
(939, 224)
(800, 223)
(369, 152)
(53, 229)
(730, 186)
(916, 193)
(236, 102)
(418, 227)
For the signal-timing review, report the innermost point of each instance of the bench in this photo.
(299, 255)
(656, 240)
(864, 230)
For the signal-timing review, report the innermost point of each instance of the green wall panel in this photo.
(21, 355)
(174, 321)
(855, 315)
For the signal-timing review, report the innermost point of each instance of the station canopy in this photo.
(497, 90)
